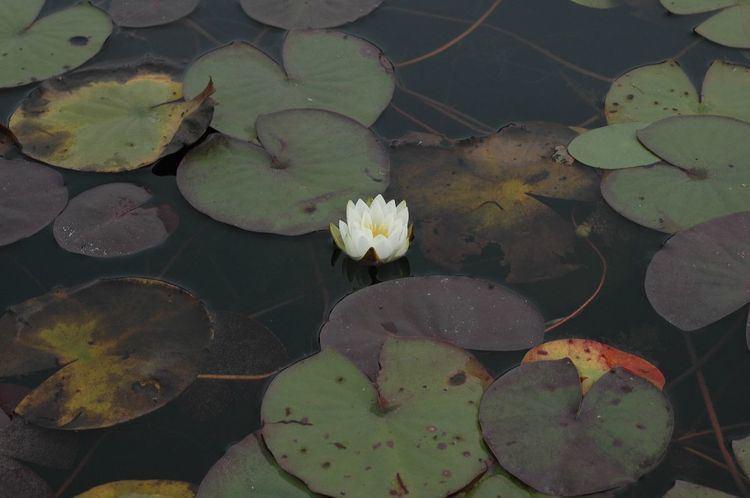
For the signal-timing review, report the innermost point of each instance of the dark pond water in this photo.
(290, 283)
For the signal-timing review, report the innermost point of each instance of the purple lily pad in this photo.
(29, 443)
(19, 481)
(4, 421)
(116, 219)
(702, 274)
(296, 14)
(467, 312)
(146, 13)
(31, 195)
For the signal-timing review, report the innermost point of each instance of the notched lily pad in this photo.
(34, 49)
(471, 194)
(312, 162)
(612, 147)
(141, 489)
(31, 195)
(544, 433)
(110, 119)
(468, 312)
(116, 219)
(728, 27)
(293, 14)
(122, 348)
(321, 70)
(415, 434)
(146, 13)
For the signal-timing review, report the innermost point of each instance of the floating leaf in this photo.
(29, 443)
(684, 489)
(116, 219)
(247, 470)
(21, 482)
(124, 348)
(728, 27)
(612, 147)
(594, 359)
(490, 192)
(322, 70)
(312, 163)
(146, 13)
(110, 120)
(468, 312)
(500, 485)
(599, 4)
(545, 434)
(741, 449)
(417, 433)
(292, 14)
(141, 489)
(31, 196)
(33, 49)
(709, 176)
(701, 275)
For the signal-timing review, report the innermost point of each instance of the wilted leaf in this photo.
(293, 14)
(141, 489)
(145, 13)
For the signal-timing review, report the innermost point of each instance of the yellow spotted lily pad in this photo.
(141, 489)
(110, 120)
(122, 348)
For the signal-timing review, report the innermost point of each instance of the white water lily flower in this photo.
(377, 232)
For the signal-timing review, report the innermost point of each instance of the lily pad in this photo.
(110, 120)
(248, 470)
(146, 13)
(20, 481)
(599, 4)
(684, 489)
(594, 359)
(321, 70)
(544, 433)
(701, 275)
(124, 348)
(417, 432)
(312, 162)
(141, 489)
(741, 449)
(33, 49)
(116, 219)
(31, 195)
(728, 27)
(491, 192)
(31, 444)
(468, 312)
(709, 175)
(612, 147)
(500, 485)
(293, 14)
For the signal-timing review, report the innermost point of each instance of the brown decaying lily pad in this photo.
(468, 312)
(19, 481)
(123, 348)
(469, 194)
(29, 443)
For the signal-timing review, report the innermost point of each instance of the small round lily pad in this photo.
(612, 147)
(146, 13)
(294, 14)
(141, 489)
(310, 164)
(321, 70)
(31, 195)
(34, 49)
(116, 219)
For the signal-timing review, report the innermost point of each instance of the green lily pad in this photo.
(417, 432)
(500, 485)
(650, 93)
(32, 195)
(741, 449)
(728, 27)
(612, 147)
(141, 489)
(709, 175)
(146, 13)
(545, 433)
(599, 4)
(110, 120)
(312, 162)
(123, 348)
(34, 49)
(293, 14)
(321, 70)
(684, 489)
(248, 470)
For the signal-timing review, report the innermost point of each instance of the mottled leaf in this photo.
(141, 489)
(293, 14)
(145, 13)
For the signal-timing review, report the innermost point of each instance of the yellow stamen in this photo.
(378, 230)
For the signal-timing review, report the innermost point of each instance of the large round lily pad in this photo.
(321, 70)
(486, 191)
(416, 433)
(116, 219)
(312, 162)
(34, 49)
(141, 489)
(612, 147)
(294, 14)
(702, 274)
(247, 470)
(541, 430)
(708, 175)
(110, 120)
(123, 348)
(145, 13)
(31, 195)
(470, 313)
(682, 489)
(727, 27)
